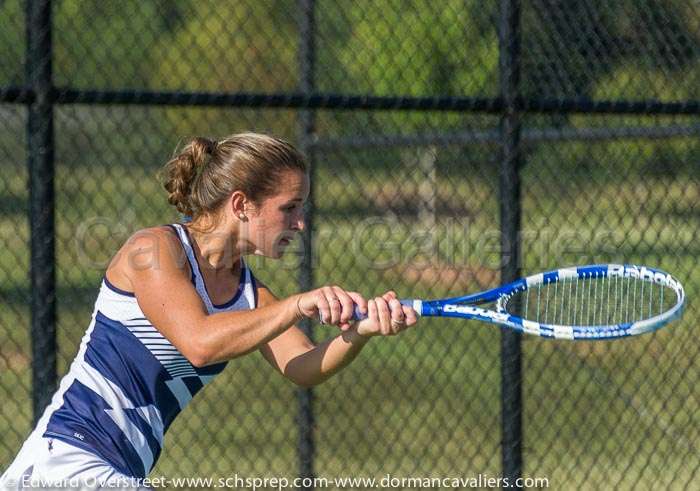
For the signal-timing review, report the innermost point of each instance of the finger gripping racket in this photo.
(603, 301)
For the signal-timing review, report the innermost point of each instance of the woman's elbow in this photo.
(305, 381)
(198, 357)
(200, 354)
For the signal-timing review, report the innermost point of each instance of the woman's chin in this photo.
(275, 253)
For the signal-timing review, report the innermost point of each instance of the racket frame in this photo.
(467, 307)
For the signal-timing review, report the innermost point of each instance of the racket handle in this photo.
(409, 302)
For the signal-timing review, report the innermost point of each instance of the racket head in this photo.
(602, 301)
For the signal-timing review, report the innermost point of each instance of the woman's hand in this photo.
(386, 316)
(331, 305)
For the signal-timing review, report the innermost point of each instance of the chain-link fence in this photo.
(453, 144)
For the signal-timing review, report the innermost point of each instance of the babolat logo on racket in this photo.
(467, 309)
(630, 271)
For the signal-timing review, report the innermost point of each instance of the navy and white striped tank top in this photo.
(128, 382)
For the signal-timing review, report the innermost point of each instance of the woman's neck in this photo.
(215, 244)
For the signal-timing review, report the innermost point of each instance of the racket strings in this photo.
(592, 300)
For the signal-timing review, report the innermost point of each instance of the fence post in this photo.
(305, 397)
(40, 153)
(510, 212)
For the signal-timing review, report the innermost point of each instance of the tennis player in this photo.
(178, 302)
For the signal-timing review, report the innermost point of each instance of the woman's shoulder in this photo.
(154, 241)
(153, 247)
(159, 232)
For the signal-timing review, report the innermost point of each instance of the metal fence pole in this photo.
(41, 210)
(509, 197)
(306, 446)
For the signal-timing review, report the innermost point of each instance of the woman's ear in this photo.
(240, 205)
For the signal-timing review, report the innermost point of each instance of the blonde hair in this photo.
(206, 172)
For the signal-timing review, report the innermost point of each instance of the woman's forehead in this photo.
(293, 185)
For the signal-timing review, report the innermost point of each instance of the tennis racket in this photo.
(603, 301)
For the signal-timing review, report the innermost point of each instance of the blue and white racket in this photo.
(603, 301)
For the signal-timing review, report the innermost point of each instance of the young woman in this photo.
(178, 301)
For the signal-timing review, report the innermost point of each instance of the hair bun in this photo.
(182, 170)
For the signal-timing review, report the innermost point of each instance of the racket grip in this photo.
(358, 316)
(409, 302)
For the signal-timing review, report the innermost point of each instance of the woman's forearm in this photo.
(318, 364)
(230, 334)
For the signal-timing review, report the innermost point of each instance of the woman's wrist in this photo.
(353, 335)
(298, 314)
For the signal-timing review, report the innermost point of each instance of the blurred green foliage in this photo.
(569, 47)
